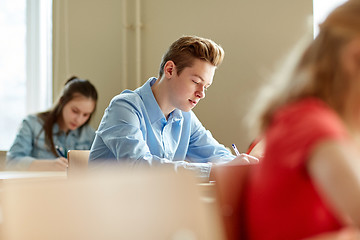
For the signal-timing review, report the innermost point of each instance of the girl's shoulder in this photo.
(33, 120)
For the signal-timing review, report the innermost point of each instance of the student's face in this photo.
(190, 86)
(76, 112)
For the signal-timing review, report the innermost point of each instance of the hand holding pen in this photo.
(243, 158)
(62, 160)
(60, 152)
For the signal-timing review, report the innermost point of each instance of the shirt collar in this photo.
(153, 108)
(176, 115)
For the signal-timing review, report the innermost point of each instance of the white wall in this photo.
(254, 33)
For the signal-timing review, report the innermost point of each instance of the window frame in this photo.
(322, 8)
(38, 55)
(36, 61)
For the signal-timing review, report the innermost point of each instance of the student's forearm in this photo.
(18, 163)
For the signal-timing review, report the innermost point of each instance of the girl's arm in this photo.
(335, 168)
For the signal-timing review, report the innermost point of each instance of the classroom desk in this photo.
(7, 175)
(174, 211)
(207, 192)
(27, 175)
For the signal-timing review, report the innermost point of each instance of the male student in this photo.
(155, 125)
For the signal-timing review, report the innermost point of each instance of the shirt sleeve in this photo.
(203, 147)
(123, 131)
(19, 155)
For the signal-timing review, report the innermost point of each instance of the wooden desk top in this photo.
(4, 175)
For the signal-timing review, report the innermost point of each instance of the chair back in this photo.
(78, 160)
(230, 181)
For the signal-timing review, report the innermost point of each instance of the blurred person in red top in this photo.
(308, 182)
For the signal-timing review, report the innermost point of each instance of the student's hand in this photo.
(244, 159)
(59, 164)
(348, 233)
(62, 163)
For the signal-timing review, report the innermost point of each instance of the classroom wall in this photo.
(96, 39)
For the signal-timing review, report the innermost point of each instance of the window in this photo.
(321, 8)
(25, 63)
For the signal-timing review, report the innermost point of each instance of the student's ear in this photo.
(169, 69)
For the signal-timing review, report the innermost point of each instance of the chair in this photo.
(230, 182)
(78, 160)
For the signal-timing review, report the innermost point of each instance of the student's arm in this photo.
(335, 168)
(123, 131)
(203, 147)
(19, 155)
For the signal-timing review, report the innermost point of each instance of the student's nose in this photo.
(77, 118)
(200, 93)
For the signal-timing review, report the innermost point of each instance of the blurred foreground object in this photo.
(141, 204)
(230, 181)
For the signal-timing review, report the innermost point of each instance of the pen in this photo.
(60, 152)
(235, 149)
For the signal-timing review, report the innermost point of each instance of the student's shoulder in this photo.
(32, 122)
(32, 119)
(127, 96)
(126, 101)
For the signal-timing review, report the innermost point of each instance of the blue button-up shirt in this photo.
(134, 129)
(29, 144)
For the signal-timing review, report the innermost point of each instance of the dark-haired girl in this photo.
(43, 139)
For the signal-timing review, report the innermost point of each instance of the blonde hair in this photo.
(186, 49)
(318, 72)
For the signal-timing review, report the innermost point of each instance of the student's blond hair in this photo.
(318, 73)
(186, 49)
